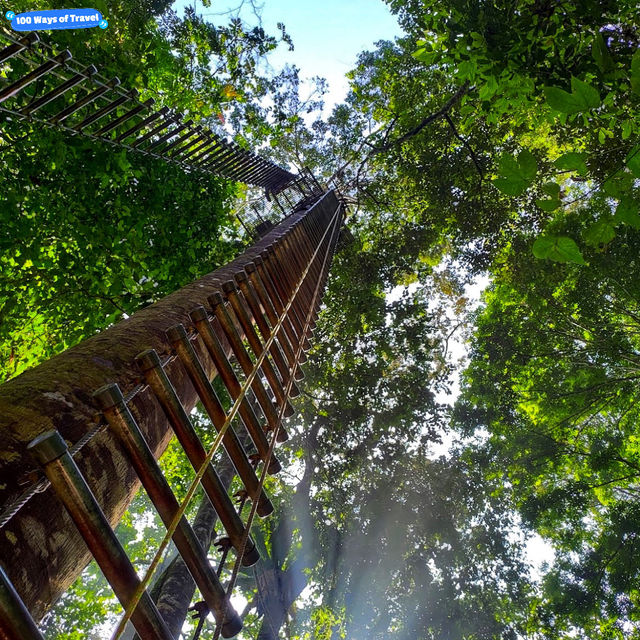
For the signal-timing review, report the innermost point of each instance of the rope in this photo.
(272, 444)
(201, 619)
(13, 507)
(42, 485)
(209, 457)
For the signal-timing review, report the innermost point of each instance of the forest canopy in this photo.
(494, 142)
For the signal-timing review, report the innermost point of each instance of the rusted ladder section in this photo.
(122, 394)
(45, 86)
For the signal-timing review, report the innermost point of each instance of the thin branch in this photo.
(310, 395)
(250, 605)
(353, 157)
(466, 144)
(449, 336)
(427, 121)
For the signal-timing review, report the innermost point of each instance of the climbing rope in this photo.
(141, 587)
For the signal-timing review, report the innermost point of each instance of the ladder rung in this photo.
(125, 427)
(155, 376)
(226, 324)
(200, 319)
(178, 339)
(74, 493)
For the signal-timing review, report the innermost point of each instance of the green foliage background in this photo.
(90, 232)
(500, 139)
(495, 139)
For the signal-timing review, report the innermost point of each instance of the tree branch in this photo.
(466, 144)
(427, 121)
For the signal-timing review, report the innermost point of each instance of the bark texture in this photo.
(39, 547)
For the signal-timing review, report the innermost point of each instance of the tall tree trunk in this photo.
(278, 589)
(40, 547)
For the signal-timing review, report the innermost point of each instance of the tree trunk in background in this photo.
(174, 589)
(278, 589)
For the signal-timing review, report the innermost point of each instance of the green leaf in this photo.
(528, 164)
(628, 212)
(600, 234)
(572, 161)
(489, 88)
(557, 248)
(586, 95)
(635, 72)
(424, 55)
(601, 53)
(560, 100)
(516, 174)
(466, 70)
(549, 205)
(583, 97)
(508, 187)
(552, 189)
(618, 185)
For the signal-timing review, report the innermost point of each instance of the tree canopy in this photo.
(494, 140)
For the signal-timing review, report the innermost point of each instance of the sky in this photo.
(327, 34)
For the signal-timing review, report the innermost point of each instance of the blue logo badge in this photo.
(56, 19)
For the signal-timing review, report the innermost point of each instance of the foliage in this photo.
(553, 378)
(495, 137)
(91, 233)
(419, 546)
(490, 118)
(520, 62)
(394, 543)
(504, 136)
